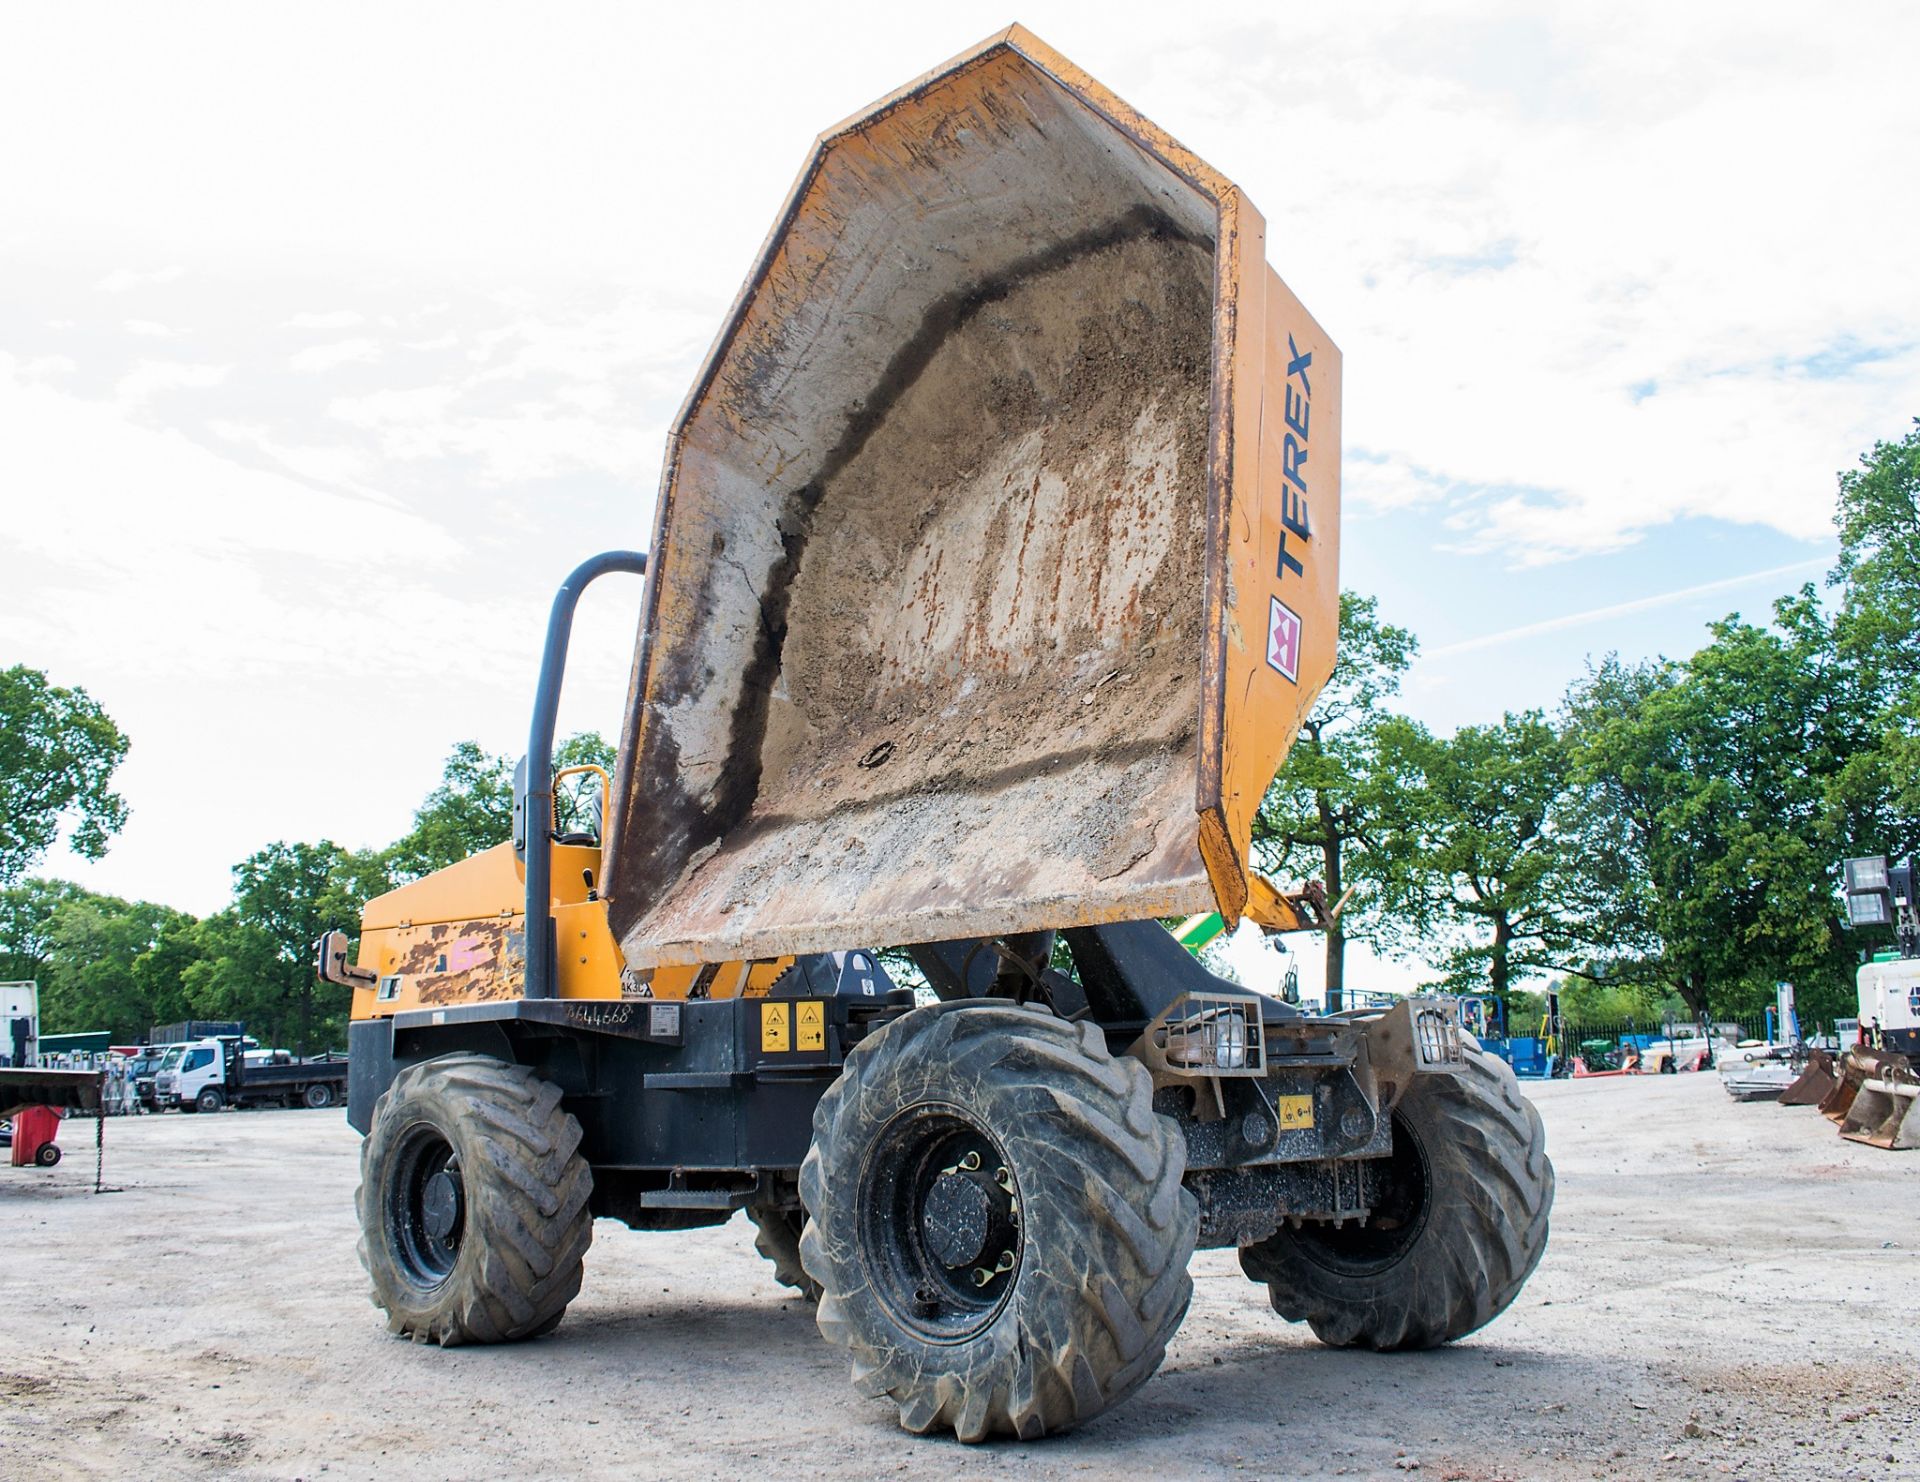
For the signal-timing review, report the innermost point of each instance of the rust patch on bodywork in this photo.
(465, 962)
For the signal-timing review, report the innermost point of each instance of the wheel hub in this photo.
(942, 1224)
(441, 1204)
(955, 1220)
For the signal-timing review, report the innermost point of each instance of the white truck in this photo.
(19, 1024)
(1889, 988)
(230, 1070)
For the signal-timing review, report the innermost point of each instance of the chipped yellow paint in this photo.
(458, 936)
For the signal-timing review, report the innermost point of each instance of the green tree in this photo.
(58, 752)
(1878, 517)
(1320, 816)
(256, 958)
(470, 810)
(114, 965)
(238, 972)
(1475, 852)
(27, 913)
(1719, 777)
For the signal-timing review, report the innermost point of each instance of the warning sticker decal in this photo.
(775, 1038)
(1283, 639)
(1295, 1111)
(810, 1026)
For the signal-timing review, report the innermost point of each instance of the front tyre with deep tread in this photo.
(984, 1123)
(1462, 1227)
(473, 1203)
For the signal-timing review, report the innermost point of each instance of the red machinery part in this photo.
(34, 1130)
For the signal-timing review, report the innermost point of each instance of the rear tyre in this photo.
(209, 1100)
(473, 1203)
(47, 1154)
(317, 1097)
(1461, 1229)
(997, 1221)
(777, 1237)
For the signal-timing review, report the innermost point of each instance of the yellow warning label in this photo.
(1295, 1111)
(774, 1036)
(810, 1026)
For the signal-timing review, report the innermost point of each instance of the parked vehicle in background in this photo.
(1686, 1047)
(230, 1071)
(143, 1067)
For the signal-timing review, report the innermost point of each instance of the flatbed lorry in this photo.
(227, 1070)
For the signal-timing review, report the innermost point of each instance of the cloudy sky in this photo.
(331, 338)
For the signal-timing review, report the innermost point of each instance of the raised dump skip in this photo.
(946, 631)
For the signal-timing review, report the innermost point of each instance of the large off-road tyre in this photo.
(777, 1237)
(1462, 1227)
(997, 1221)
(473, 1203)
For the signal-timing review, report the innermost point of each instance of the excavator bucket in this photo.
(1882, 1111)
(1855, 1067)
(1814, 1083)
(995, 563)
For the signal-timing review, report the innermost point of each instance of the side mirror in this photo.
(330, 963)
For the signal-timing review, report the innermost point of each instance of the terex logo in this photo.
(1293, 460)
(1283, 623)
(1283, 638)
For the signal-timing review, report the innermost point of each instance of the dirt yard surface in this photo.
(1730, 1291)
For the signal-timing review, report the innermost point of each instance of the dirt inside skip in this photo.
(1010, 569)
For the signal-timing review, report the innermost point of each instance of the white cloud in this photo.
(149, 329)
(122, 279)
(336, 319)
(1805, 570)
(339, 353)
(150, 377)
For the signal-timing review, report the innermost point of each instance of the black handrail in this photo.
(539, 799)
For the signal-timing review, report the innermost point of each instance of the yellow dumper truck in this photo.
(995, 567)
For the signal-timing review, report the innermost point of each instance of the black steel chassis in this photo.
(692, 1109)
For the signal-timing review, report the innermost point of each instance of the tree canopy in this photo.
(1478, 857)
(123, 966)
(58, 753)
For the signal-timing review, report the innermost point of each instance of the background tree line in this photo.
(124, 966)
(1666, 839)
(1669, 837)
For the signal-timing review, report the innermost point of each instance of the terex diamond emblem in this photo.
(1283, 639)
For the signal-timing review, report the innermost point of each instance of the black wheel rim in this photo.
(940, 1223)
(425, 1207)
(1394, 1224)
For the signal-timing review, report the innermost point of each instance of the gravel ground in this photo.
(1730, 1290)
